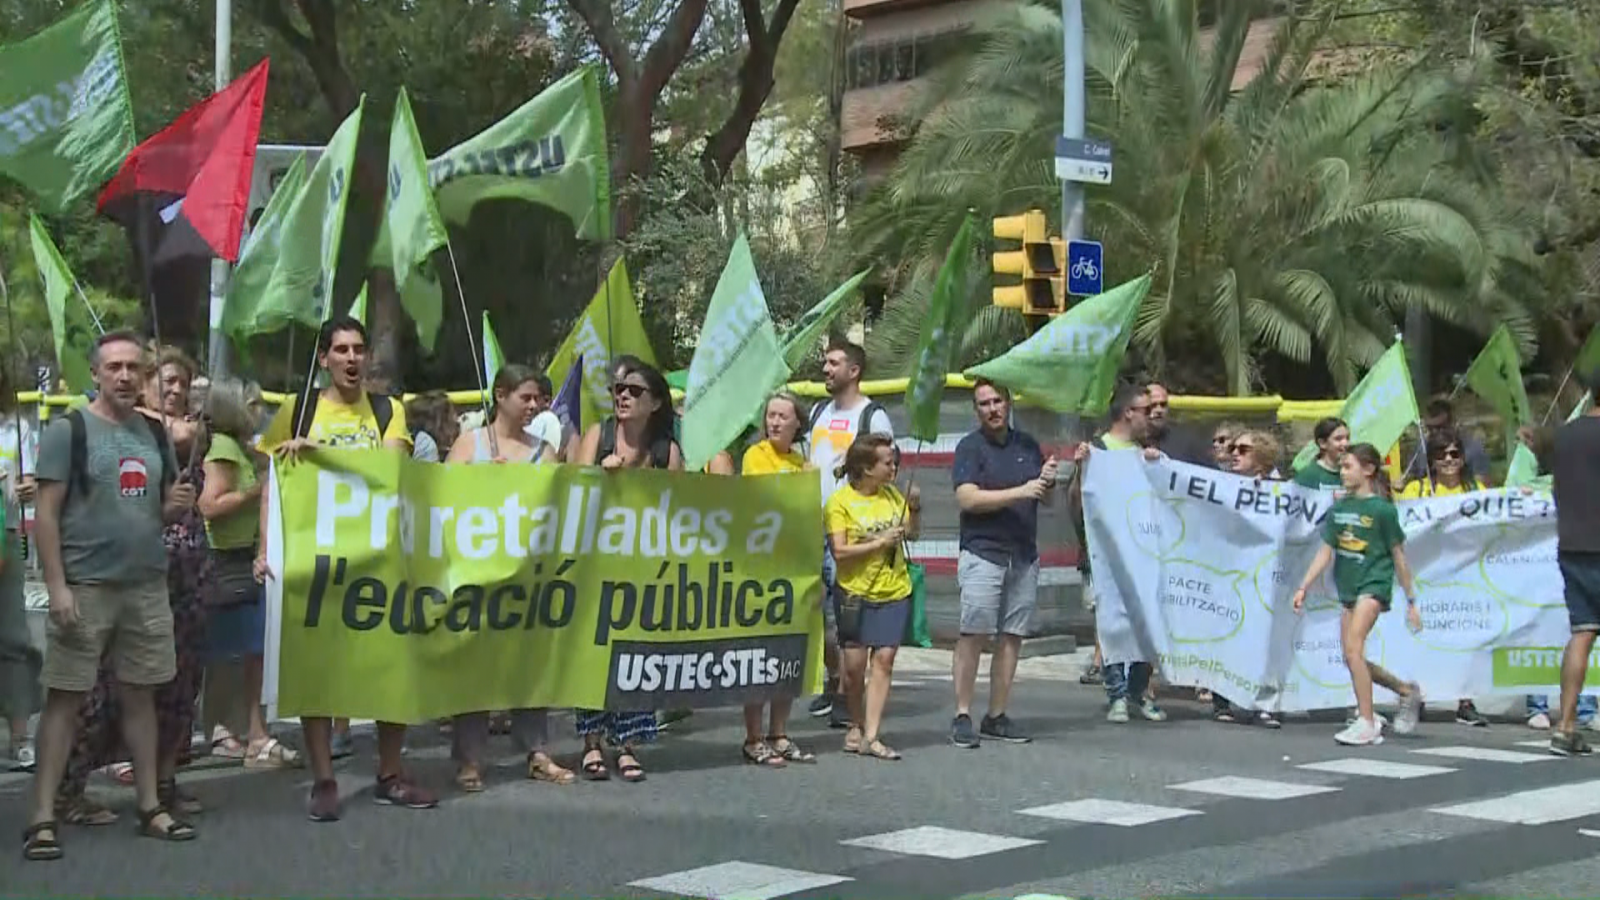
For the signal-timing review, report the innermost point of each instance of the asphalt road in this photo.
(1087, 810)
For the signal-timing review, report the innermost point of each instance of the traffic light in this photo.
(1041, 265)
(1029, 228)
(1046, 282)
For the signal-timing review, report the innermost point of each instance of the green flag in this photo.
(926, 387)
(73, 335)
(1381, 407)
(1524, 470)
(550, 151)
(413, 225)
(358, 309)
(65, 119)
(609, 327)
(1588, 359)
(259, 255)
(493, 359)
(1496, 376)
(737, 362)
(1071, 364)
(299, 286)
(800, 341)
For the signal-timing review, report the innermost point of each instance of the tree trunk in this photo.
(755, 84)
(320, 50)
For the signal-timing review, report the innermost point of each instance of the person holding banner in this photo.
(1450, 473)
(1254, 455)
(777, 452)
(638, 435)
(868, 522)
(343, 414)
(516, 394)
(1363, 541)
(1332, 436)
(1576, 467)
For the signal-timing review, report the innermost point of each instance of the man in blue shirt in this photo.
(1000, 477)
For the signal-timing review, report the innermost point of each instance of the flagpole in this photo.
(147, 272)
(1556, 399)
(478, 361)
(98, 325)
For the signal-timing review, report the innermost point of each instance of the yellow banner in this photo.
(412, 591)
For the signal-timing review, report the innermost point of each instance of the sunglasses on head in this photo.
(632, 390)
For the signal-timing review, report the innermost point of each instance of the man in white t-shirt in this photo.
(546, 425)
(834, 426)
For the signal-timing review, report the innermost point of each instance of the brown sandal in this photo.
(761, 754)
(176, 830)
(36, 847)
(631, 772)
(852, 739)
(594, 765)
(469, 780)
(789, 750)
(82, 811)
(542, 768)
(877, 749)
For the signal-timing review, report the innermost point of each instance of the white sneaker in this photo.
(1151, 711)
(1361, 733)
(1539, 722)
(1405, 718)
(1118, 712)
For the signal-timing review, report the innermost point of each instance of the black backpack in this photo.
(305, 411)
(78, 454)
(660, 448)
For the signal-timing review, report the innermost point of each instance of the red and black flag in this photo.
(184, 192)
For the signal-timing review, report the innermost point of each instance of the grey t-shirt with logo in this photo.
(110, 534)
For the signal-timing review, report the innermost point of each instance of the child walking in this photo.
(1363, 540)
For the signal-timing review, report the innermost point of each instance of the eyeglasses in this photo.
(632, 390)
(1239, 448)
(1221, 440)
(1452, 454)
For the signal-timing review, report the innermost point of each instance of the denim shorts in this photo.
(1580, 572)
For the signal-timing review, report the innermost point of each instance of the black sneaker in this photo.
(823, 704)
(839, 716)
(1467, 714)
(1564, 743)
(962, 734)
(1001, 728)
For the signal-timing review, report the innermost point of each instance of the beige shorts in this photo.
(133, 620)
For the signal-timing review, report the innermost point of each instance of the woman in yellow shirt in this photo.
(1448, 475)
(868, 523)
(775, 453)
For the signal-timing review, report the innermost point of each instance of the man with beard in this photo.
(107, 486)
(834, 426)
(344, 415)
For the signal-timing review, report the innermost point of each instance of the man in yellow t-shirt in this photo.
(345, 415)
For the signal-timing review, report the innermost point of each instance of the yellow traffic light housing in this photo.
(1045, 285)
(1029, 229)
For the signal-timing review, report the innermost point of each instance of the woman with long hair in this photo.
(1254, 454)
(20, 661)
(777, 451)
(638, 435)
(1449, 473)
(1333, 438)
(505, 439)
(236, 621)
(868, 522)
(1363, 541)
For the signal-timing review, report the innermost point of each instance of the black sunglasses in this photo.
(632, 390)
(1241, 448)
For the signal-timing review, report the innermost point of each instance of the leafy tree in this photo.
(1290, 219)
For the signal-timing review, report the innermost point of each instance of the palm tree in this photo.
(1290, 218)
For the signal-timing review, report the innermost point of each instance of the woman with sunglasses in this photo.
(1448, 475)
(1222, 441)
(638, 435)
(1253, 454)
(1333, 439)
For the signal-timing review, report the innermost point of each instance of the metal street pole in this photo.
(217, 346)
(1072, 111)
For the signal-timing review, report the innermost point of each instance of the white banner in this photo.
(1196, 570)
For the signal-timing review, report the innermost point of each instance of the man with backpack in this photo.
(345, 415)
(834, 426)
(107, 486)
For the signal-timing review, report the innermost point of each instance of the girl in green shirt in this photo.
(1364, 543)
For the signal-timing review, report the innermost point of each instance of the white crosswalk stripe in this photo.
(1097, 811)
(943, 843)
(737, 880)
(1485, 754)
(1536, 807)
(1252, 788)
(1375, 768)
